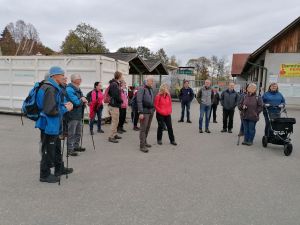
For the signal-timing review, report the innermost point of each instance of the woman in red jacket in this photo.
(163, 107)
(96, 107)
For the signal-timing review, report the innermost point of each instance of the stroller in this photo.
(280, 128)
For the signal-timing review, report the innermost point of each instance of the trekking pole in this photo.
(82, 127)
(91, 133)
(62, 158)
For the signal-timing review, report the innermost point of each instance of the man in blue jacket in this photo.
(74, 95)
(52, 109)
(186, 96)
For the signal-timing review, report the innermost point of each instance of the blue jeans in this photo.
(99, 116)
(249, 130)
(204, 109)
(186, 105)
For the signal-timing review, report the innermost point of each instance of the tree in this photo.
(127, 50)
(144, 52)
(7, 43)
(161, 54)
(201, 65)
(173, 61)
(88, 39)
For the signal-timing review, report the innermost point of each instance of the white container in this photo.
(19, 73)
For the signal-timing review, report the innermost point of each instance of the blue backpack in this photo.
(29, 107)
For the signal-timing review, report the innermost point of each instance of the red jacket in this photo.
(96, 102)
(163, 104)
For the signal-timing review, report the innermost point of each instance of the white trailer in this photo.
(19, 73)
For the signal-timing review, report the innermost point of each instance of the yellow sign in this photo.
(290, 70)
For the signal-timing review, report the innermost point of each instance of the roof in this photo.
(238, 62)
(266, 45)
(156, 67)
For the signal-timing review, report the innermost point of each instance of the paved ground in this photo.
(207, 179)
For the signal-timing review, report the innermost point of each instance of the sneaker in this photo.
(119, 131)
(136, 128)
(113, 140)
(50, 179)
(180, 121)
(122, 129)
(215, 121)
(173, 143)
(118, 137)
(159, 142)
(244, 143)
(64, 171)
(200, 131)
(148, 146)
(207, 131)
(250, 143)
(80, 149)
(72, 153)
(230, 131)
(144, 149)
(224, 130)
(100, 131)
(188, 121)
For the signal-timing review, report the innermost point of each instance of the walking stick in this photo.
(82, 127)
(62, 157)
(91, 133)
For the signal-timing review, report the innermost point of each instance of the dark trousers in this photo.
(228, 118)
(249, 130)
(187, 106)
(214, 112)
(135, 117)
(162, 122)
(122, 117)
(99, 118)
(51, 154)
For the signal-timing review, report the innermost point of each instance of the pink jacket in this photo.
(95, 103)
(124, 97)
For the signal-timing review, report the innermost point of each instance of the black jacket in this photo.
(186, 94)
(115, 94)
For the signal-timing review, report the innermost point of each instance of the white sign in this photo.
(273, 79)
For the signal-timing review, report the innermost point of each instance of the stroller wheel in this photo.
(288, 148)
(265, 141)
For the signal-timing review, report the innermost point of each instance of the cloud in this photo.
(187, 29)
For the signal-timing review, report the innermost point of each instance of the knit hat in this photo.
(56, 70)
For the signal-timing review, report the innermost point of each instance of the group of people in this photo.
(62, 107)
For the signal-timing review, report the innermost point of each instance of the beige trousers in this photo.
(114, 113)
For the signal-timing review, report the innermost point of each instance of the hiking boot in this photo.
(119, 131)
(113, 140)
(148, 146)
(117, 137)
(159, 142)
(136, 128)
(180, 121)
(64, 172)
(215, 121)
(224, 130)
(50, 179)
(188, 121)
(144, 149)
(100, 131)
(229, 131)
(200, 131)
(173, 143)
(207, 131)
(72, 153)
(80, 149)
(124, 131)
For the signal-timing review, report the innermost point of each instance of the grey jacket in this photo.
(229, 99)
(145, 100)
(205, 96)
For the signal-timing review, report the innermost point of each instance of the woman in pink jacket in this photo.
(96, 107)
(163, 107)
(123, 108)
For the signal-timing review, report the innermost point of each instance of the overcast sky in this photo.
(186, 28)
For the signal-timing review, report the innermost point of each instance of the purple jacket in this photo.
(254, 107)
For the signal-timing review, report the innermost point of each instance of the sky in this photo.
(187, 29)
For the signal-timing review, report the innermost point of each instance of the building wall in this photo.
(290, 87)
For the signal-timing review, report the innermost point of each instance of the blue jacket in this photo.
(186, 94)
(49, 102)
(274, 99)
(74, 95)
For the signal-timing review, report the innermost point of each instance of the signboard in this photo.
(186, 72)
(273, 78)
(290, 70)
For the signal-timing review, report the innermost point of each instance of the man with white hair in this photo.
(74, 95)
(145, 102)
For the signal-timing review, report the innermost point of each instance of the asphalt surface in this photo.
(207, 179)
